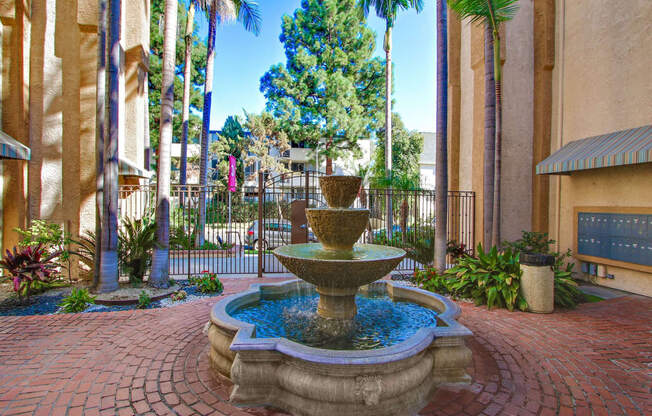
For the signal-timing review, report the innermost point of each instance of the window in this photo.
(299, 145)
(298, 167)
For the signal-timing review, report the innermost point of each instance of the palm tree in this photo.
(388, 10)
(491, 13)
(187, 68)
(247, 13)
(160, 260)
(100, 117)
(441, 196)
(108, 274)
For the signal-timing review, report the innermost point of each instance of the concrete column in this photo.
(518, 113)
(46, 115)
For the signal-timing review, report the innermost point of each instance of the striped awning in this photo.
(128, 168)
(626, 147)
(11, 148)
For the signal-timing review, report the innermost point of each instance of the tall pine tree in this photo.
(331, 89)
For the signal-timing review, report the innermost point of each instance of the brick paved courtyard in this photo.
(596, 360)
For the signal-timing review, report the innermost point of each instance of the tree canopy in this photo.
(155, 58)
(331, 87)
(406, 151)
(232, 141)
(266, 141)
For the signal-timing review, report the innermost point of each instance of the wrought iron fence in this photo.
(239, 240)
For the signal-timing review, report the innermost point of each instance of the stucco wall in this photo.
(601, 84)
(49, 57)
(518, 84)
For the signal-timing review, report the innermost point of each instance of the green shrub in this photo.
(143, 300)
(49, 236)
(491, 278)
(207, 283)
(567, 292)
(531, 242)
(178, 295)
(77, 301)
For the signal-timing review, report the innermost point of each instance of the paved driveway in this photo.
(592, 360)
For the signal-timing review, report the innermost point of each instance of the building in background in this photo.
(192, 166)
(48, 62)
(427, 172)
(576, 137)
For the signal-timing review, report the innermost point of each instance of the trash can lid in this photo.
(537, 259)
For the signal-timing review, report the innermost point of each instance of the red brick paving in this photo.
(595, 360)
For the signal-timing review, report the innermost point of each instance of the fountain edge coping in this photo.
(424, 337)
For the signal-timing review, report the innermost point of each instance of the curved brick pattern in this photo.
(593, 360)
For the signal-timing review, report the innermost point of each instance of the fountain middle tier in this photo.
(338, 228)
(339, 274)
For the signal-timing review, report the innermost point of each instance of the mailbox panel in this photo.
(615, 236)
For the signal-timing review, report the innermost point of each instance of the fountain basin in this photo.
(395, 380)
(328, 226)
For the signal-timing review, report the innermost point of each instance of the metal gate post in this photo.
(260, 224)
(307, 206)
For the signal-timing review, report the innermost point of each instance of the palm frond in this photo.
(248, 13)
(480, 11)
(388, 9)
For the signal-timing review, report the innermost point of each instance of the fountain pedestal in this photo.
(337, 303)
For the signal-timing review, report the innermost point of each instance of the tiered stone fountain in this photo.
(330, 358)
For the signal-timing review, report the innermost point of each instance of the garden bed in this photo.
(47, 302)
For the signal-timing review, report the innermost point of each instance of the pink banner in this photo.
(232, 179)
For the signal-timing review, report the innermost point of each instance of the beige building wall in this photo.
(601, 84)
(466, 119)
(49, 71)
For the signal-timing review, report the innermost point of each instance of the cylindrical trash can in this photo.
(538, 282)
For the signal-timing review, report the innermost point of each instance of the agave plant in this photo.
(136, 240)
(29, 266)
(85, 248)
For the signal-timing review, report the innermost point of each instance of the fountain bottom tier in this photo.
(389, 364)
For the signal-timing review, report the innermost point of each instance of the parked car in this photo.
(277, 233)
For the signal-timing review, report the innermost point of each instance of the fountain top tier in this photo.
(340, 191)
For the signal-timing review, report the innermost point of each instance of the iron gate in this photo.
(272, 214)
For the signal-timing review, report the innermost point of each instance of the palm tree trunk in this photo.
(329, 160)
(206, 118)
(387, 45)
(441, 195)
(100, 118)
(160, 258)
(108, 278)
(186, 99)
(489, 137)
(495, 234)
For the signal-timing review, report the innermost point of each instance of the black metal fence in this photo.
(239, 239)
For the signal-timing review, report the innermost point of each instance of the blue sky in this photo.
(242, 59)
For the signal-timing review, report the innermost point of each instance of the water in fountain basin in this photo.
(380, 322)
